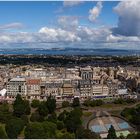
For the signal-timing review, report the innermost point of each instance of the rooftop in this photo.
(18, 79)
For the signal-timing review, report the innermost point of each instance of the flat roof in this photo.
(17, 79)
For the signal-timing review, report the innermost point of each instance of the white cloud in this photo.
(71, 3)
(15, 25)
(95, 12)
(68, 22)
(93, 34)
(82, 36)
(129, 18)
(59, 34)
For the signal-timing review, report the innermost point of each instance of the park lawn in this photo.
(3, 127)
(87, 114)
(112, 105)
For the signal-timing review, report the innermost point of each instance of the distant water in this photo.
(69, 51)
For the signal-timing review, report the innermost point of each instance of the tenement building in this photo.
(16, 86)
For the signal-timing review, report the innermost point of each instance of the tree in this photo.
(4, 107)
(133, 135)
(99, 102)
(42, 109)
(60, 125)
(51, 104)
(64, 135)
(3, 134)
(65, 104)
(18, 106)
(73, 120)
(62, 116)
(82, 133)
(25, 119)
(36, 117)
(87, 102)
(14, 127)
(34, 131)
(67, 135)
(77, 112)
(52, 118)
(50, 129)
(21, 107)
(35, 103)
(76, 102)
(27, 107)
(111, 133)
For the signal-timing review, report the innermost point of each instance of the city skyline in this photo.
(81, 24)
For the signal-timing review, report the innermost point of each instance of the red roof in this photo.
(33, 81)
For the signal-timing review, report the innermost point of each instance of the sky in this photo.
(78, 24)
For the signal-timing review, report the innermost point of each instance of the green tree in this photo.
(64, 135)
(25, 119)
(82, 133)
(62, 116)
(14, 127)
(76, 102)
(27, 107)
(65, 104)
(3, 134)
(34, 131)
(18, 106)
(42, 109)
(87, 102)
(68, 135)
(50, 129)
(21, 107)
(73, 120)
(36, 117)
(60, 125)
(99, 102)
(35, 103)
(111, 133)
(52, 117)
(4, 107)
(51, 104)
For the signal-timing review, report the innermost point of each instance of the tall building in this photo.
(16, 86)
(86, 73)
(33, 87)
(100, 91)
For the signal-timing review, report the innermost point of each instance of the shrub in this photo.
(35, 103)
(65, 104)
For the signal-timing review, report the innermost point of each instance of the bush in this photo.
(42, 109)
(99, 102)
(35, 103)
(52, 118)
(76, 102)
(124, 101)
(119, 101)
(4, 107)
(3, 134)
(35, 117)
(65, 104)
(60, 125)
(34, 131)
(14, 127)
(93, 103)
(25, 119)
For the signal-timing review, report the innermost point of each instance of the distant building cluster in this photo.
(67, 83)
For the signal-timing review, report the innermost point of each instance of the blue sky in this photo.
(69, 23)
(34, 15)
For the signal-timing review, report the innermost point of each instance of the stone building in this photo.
(16, 86)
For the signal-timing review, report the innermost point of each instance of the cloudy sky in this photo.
(80, 24)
